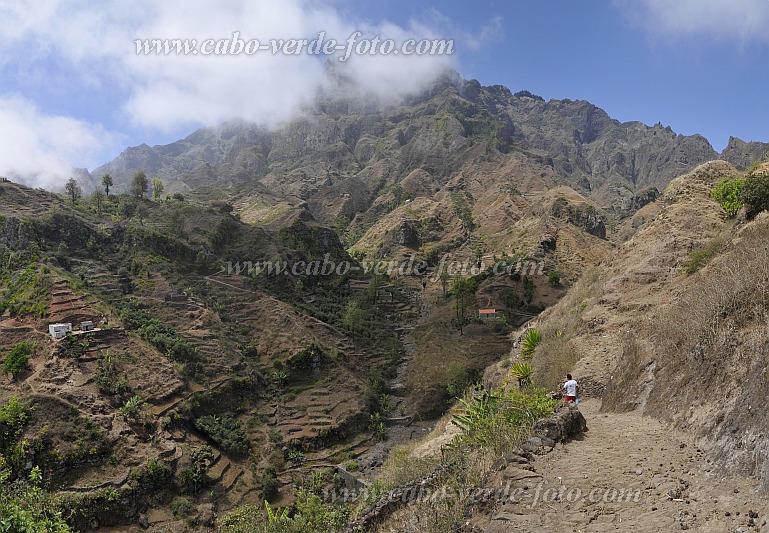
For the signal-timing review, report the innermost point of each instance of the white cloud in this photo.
(94, 43)
(737, 20)
(38, 149)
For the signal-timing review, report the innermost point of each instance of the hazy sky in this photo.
(75, 92)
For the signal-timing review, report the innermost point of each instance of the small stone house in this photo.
(173, 296)
(59, 331)
(487, 314)
(86, 325)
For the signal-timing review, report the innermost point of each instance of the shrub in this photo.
(109, 376)
(728, 193)
(528, 290)
(500, 419)
(27, 509)
(310, 514)
(130, 411)
(27, 294)
(13, 417)
(181, 507)
(457, 379)
(755, 193)
(269, 483)
(194, 476)
(227, 432)
(17, 358)
(241, 520)
(554, 278)
(699, 257)
(158, 473)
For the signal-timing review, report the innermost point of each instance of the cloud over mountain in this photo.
(94, 45)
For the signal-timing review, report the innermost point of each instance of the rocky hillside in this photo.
(673, 323)
(198, 388)
(352, 160)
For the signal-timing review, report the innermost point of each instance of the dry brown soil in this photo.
(627, 473)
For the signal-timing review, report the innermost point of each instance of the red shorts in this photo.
(569, 398)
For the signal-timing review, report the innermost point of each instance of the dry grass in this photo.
(734, 286)
(555, 357)
(556, 354)
(693, 340)
(616, 397)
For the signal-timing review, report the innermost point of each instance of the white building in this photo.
(59, 331)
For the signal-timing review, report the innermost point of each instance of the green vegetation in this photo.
(457, 379)
(28, 509)
(27, 293)
(193, 476)
(523, 373)
(181, 507)
(161, 336)
(225, 232)
(309, 514)
(554, 278)
(755, 193)
(157, 189)
(270, 483)
(493, 424)
(493, 419)
(353, 316)
(528, 290)
(139, 184)
(158, 474)
(17, 358)
(462, 210)
(14, 415)
(226, 432)
(463, 290)
(529, 343)
(132, 408)
(73, 190)
(699, 257)
(529, 94)
(728, 193)
(97, 199)
(106, 181)
(376, 424)
(280, 377)
(109, 375)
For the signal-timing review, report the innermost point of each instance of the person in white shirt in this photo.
(572, 389)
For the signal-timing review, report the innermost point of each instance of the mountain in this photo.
(742, 155)
(209, 386)
(349, 143)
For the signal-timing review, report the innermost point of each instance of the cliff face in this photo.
(341, 138)
(743, 154)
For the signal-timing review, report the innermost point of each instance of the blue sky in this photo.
(75, 93)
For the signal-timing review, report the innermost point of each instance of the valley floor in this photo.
(629, 473)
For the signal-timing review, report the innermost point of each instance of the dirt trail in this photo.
(632, 474)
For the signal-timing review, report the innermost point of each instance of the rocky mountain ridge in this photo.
(340, 139)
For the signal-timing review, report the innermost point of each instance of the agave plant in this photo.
(279, 377)
(531, 340)
(522, 372)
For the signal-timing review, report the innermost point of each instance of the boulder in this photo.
(565, 424)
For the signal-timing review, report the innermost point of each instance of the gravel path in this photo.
(630, 473)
